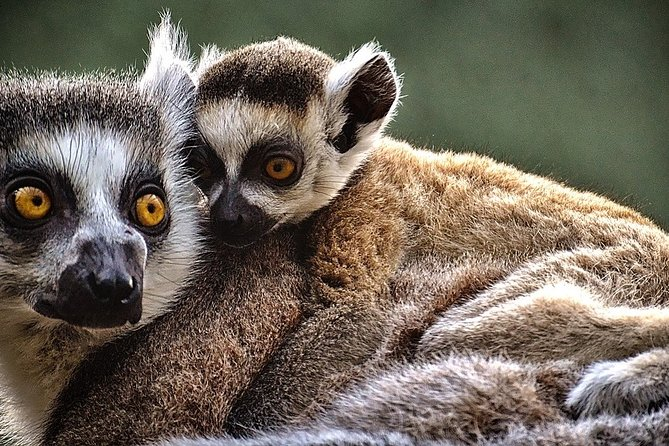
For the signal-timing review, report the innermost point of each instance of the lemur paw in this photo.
(636, 385)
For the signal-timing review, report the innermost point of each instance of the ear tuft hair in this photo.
(168, 76)
(209, 56)
(169, 68)
(365, 88)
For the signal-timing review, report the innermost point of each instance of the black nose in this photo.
(237, 222)
(102, 288)
(112, 286)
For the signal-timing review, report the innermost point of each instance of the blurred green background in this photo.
(575, 90)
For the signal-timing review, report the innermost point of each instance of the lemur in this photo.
(294, 136)
(98, 219)
(292, 131)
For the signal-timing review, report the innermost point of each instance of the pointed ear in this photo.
(168, 72)
(361, 92)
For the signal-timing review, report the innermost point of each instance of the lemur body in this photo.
(536, 304)
(286, 137)
(568, 262)
(98, 220)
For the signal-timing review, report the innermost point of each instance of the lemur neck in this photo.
(37, 355)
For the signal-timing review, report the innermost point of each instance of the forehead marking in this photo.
(232, 127)
(93, 160)
(281, 72)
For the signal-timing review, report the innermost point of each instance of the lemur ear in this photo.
(365, 89)
(169, 68)
(210, 55)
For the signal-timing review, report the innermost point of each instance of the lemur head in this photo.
(287, 126)
(96, 211)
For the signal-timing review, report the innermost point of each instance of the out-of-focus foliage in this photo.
(576, 90)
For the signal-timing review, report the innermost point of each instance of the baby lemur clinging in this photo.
(290, 130)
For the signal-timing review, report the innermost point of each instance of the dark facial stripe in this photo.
(50, 104)
(282, 72)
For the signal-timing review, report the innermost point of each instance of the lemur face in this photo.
(286, 127)
(96, 211)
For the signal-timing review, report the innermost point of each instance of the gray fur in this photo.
(634, 385)
(94, 140)
(323, 437)
(531, 270)
(508, 405)
(419, 412)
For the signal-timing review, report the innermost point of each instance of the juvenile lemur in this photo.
(98, 219)
(290, 131)
(293, 133)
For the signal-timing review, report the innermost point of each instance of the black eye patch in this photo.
(255, 165)
(62, 203)
(205, 165)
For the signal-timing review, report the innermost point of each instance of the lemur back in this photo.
(98, 220)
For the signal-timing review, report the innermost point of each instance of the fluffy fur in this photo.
(461, 400)
(652, 429)
(95, 138)
(548, 270)
(636, 385)
(179, 375)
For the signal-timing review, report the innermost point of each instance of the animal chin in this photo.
(90, 316)
(235, 239)
(243, 240)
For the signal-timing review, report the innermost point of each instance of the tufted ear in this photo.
(361, 93)
(210, 55)
(168, 73)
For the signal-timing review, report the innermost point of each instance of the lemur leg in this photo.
(325, 354)
(635, 385)
(563, 307)
(352, 263)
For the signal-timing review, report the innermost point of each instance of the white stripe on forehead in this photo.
(93, 160)
(233, 126)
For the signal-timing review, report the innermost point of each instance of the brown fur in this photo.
(406, 202)
(344, 343)
(544, 234)
(179, 375)
(513, 249)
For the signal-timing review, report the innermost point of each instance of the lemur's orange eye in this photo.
(280, 168)
(150, 210)
(32, 203)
